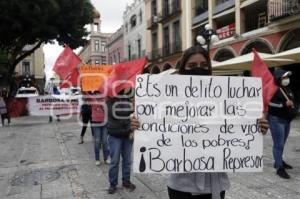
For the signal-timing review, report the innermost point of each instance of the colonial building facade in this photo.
(269, 26)
(168, 25)
(115, 47)
(95, 52)
(134, 30)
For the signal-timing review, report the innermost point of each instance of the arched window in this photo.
(146, 70)
(133, 21)
(167, 66)
(223, 55)
(291, 40)
(259, 46)
(155, 70)
(141, 16)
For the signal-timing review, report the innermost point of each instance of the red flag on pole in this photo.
(71, 79)
(65, 63)
(260, 69)
(123, 76)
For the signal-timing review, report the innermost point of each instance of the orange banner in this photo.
(93, 76)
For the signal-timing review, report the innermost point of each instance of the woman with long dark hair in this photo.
(196, 61)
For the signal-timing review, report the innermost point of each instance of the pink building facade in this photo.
(115, 47)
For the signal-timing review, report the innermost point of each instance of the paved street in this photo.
(43, 160)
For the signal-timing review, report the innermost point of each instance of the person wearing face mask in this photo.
(196, 61)
(282, 109)
(119, 139)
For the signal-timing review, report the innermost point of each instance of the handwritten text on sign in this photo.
(198, 124)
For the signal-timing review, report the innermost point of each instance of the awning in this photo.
(293, 54)
(244, 62)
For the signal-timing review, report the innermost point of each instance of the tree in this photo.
(35, 22)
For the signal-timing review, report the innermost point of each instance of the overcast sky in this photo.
(111, 12)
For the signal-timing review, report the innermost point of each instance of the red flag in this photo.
(260, 69)
(66, 62)
(71, 79)
(123, 76)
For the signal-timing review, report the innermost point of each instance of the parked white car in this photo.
(71, 91)
(24, 92)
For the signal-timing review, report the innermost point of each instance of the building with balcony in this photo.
(244, 24)
(134, 30)
(95, 52)
(269, 26)
(168, 32)
(115, 47)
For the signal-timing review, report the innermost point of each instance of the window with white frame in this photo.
(25, 68)
(103, 46)
(97, 45)
(133, 21)
(141, 16)
(103, 60)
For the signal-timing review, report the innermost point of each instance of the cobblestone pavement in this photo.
(43, 160)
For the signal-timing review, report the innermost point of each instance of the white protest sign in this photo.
(198, 124)
(54, 105)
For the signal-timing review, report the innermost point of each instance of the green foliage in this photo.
(35, 22)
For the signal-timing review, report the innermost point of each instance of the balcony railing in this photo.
(282, 8)
(152, 22)
(224, 6)
(176, 47)
(172, 48)
(168, 13)
(256, 21)
(166, 50)
(155, 54)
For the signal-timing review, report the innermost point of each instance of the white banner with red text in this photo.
(51, 105)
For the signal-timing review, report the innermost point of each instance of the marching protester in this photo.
(3, 111)
(4, 106)
(282, 110)
(196, 61)
(54, 91)
(99, 128)
(85, 114)
(120, 140)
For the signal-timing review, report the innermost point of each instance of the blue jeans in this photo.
(123, 147)
(280, 129)
(100, 136)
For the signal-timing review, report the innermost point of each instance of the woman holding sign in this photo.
(196, 61)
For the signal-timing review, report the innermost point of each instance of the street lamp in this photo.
(207, 37)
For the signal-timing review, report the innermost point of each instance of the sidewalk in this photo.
(43, 160)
